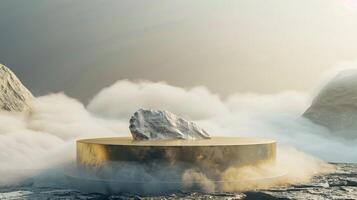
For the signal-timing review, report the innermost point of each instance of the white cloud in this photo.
(46, 137)
(123, 98)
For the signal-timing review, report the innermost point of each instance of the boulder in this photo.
(13, 95)
(147, 124)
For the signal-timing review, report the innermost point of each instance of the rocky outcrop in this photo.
(156, 124)
(13, 95)
(335, 107)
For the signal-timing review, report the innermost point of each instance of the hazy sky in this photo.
(229, 46)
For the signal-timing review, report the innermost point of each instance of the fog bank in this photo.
(45, 138)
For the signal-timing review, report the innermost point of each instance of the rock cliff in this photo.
(13, 95)
(335, 107)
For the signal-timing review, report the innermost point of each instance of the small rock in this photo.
(157, 124)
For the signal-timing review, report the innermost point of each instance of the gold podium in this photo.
(120, 164)
(217, 153)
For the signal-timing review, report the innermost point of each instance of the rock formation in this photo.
(335, 107)
(13, 95)
(156, 124)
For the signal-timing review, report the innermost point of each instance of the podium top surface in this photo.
(214, 141)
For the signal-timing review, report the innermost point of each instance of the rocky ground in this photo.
(341, 184)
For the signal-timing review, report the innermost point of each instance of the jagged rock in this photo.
(13, 95)
(335, 107)
(156, 124)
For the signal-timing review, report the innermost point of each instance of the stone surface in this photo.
(335, 107)
(13, 95)
(340, 184)
(147, 124)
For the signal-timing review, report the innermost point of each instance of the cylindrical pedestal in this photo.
(218, 152)
(123, 163)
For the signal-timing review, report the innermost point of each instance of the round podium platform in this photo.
(121, 164)
(217, 152)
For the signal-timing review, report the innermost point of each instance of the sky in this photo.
(229, 46)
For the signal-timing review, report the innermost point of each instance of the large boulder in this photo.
(156, 124)
(335, 107)
(13, 95)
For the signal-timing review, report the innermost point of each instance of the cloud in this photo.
(123, 98)
(65, 118)
(284, 102)
(47, 135)
(45, 138)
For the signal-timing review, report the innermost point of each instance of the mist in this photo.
(45, 138)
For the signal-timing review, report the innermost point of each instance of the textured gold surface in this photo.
(215, 141)
(217, 153)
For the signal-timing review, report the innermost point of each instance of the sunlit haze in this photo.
(227, 46)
